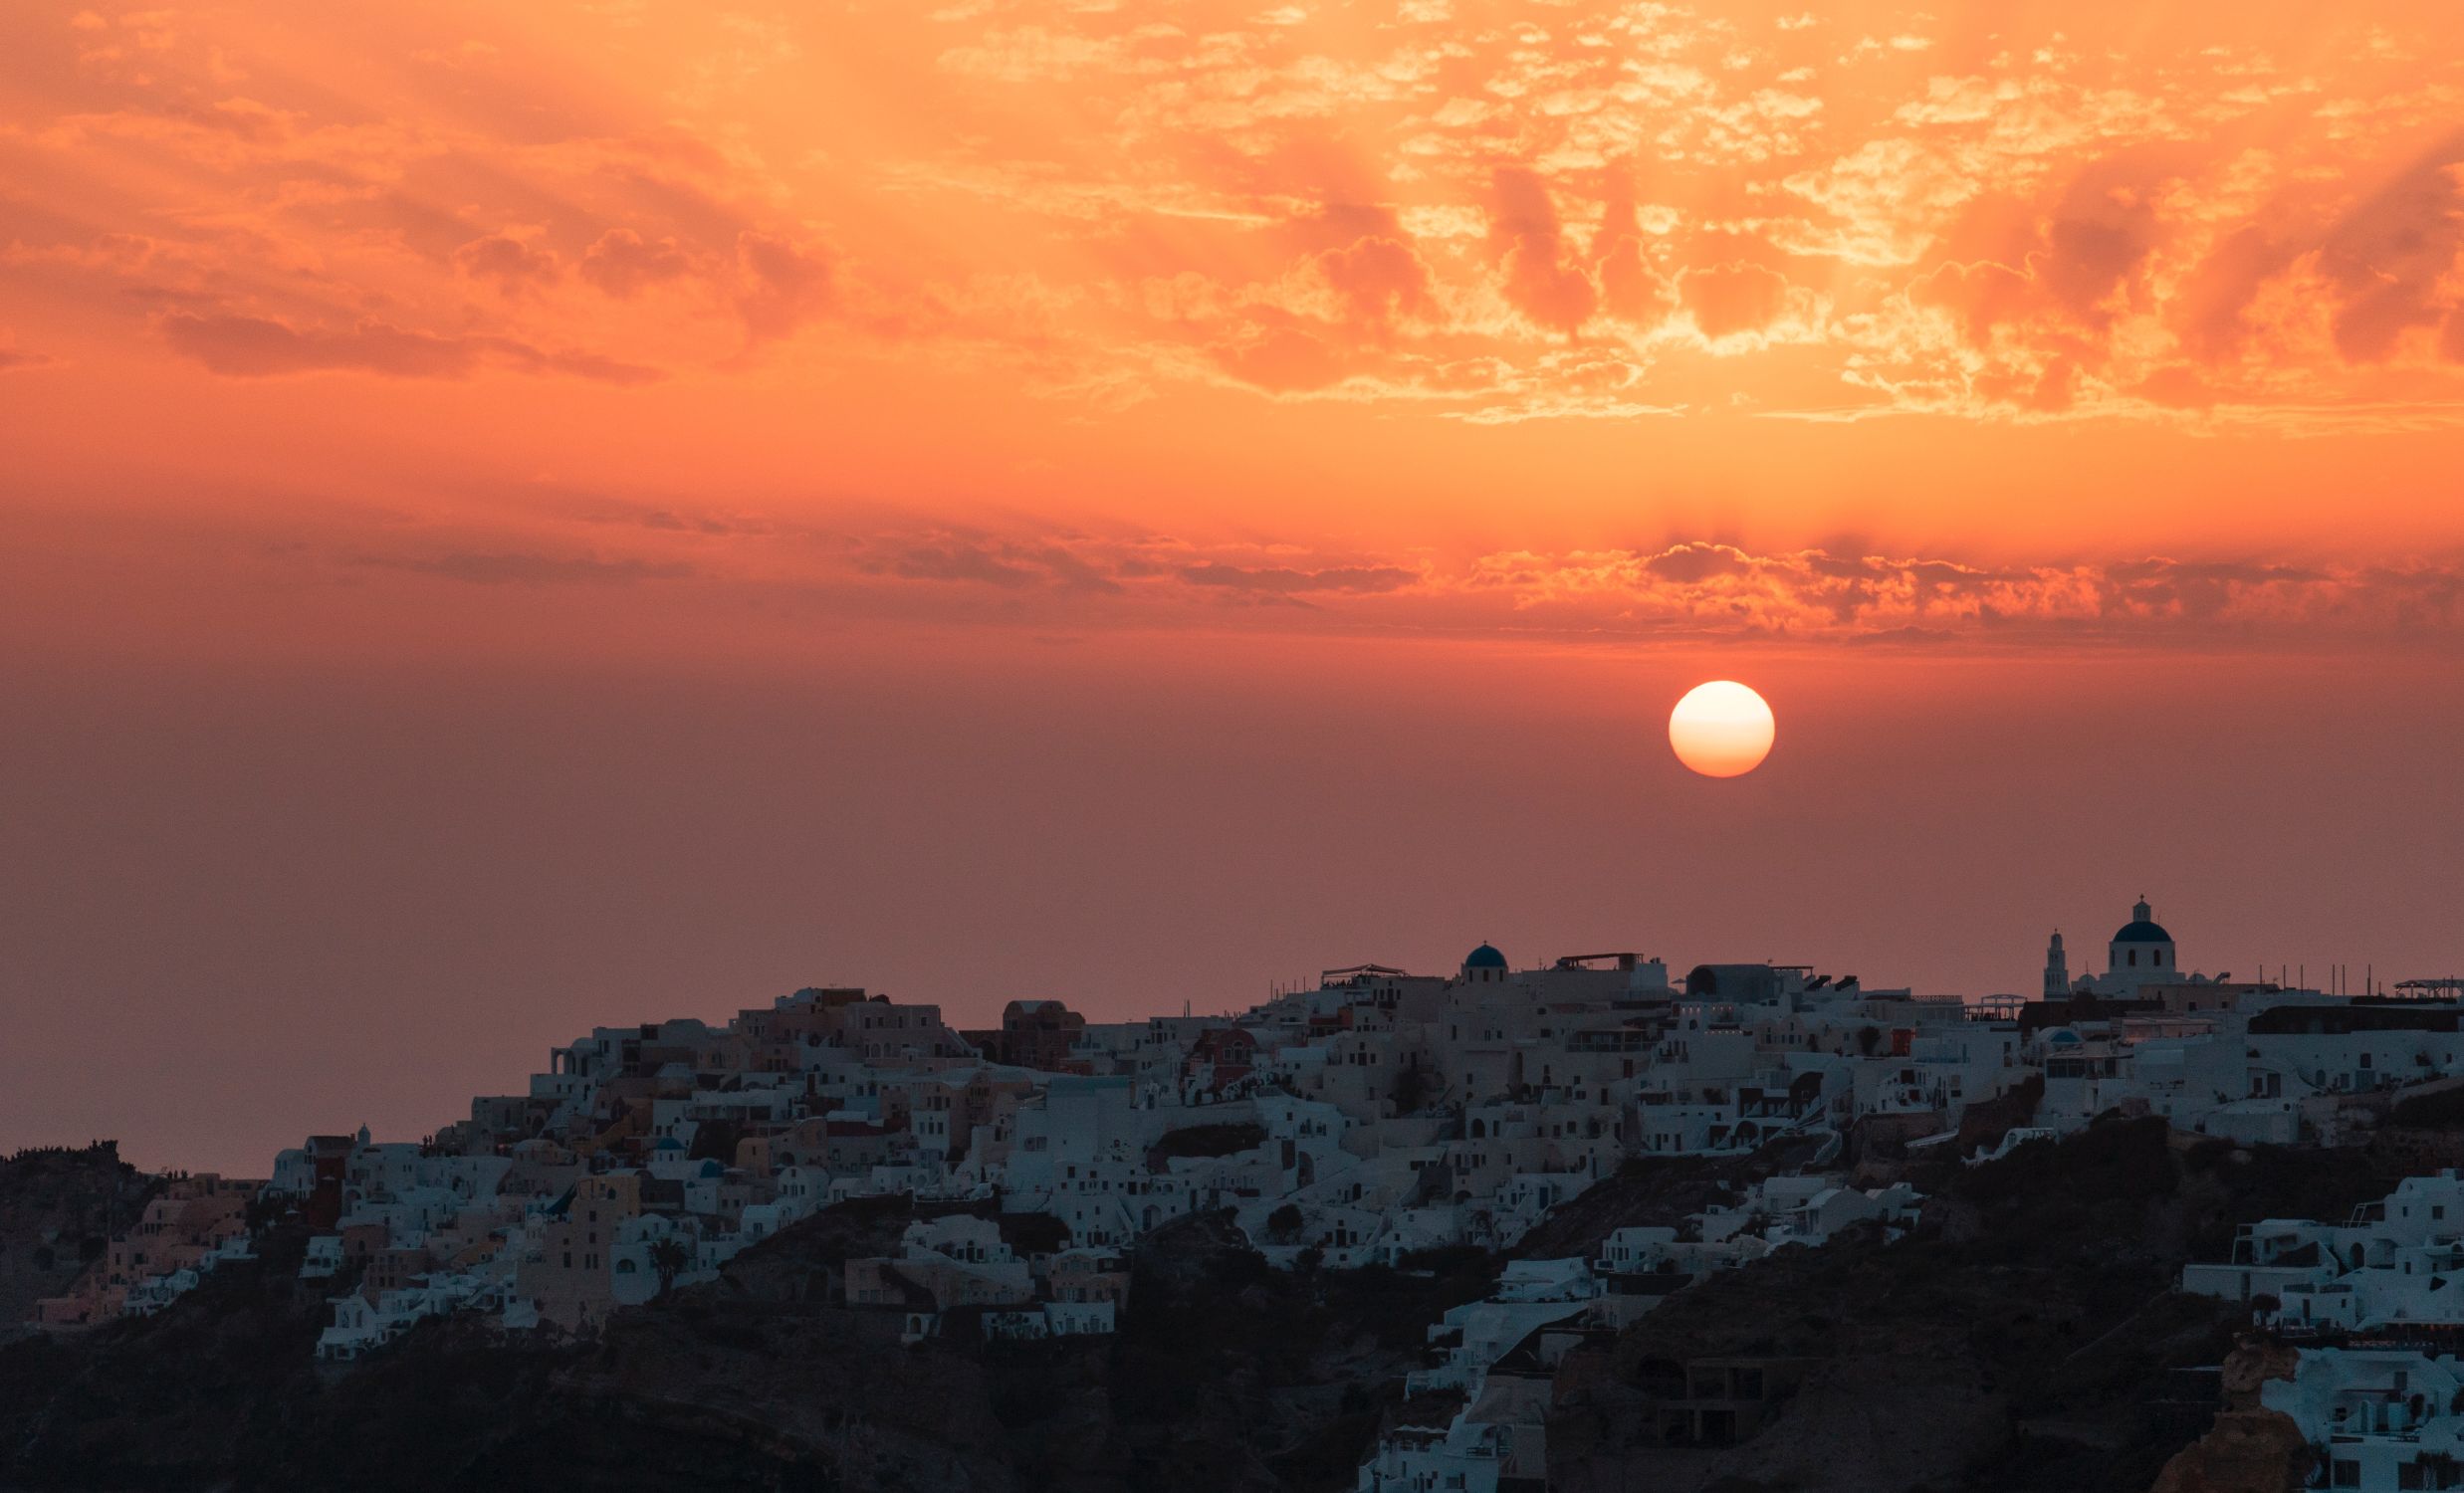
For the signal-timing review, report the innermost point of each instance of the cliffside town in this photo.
(1568, 1225)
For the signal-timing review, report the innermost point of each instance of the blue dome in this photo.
(1484, 957)
(2143, 927)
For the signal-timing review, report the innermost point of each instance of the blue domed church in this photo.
(2140, 954)
(1485, 966)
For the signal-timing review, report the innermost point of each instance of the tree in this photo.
(1283, 1225)
(1411, 1089)
(1869, 1038)
(669, 1257)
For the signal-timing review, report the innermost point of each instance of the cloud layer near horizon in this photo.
(1700, 590)
(712, 582)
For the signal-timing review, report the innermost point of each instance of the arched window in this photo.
(2133, 956)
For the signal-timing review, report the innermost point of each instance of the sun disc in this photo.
(1721, 728)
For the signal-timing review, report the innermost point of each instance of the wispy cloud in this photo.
(1283, 580)
(1710, 590)
(257, 348)
(494, 569)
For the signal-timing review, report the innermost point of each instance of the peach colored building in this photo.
(569, 1275)
(190, 1218)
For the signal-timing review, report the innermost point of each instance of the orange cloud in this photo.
(621, 263)
(256, 347)
(1541, 279)
(1693, 589)
(1455, 300)
(2085, 212)
(511, 264)
(787, 283)
(1378, 277)
(1730, 298)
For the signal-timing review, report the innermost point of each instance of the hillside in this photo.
(2026, 1336)
(2030, 1317)
(1227, 1375)
(58, 1212)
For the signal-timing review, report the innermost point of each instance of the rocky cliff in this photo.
(2026, 1336)
(58, 1212)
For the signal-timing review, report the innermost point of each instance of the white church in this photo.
(2140, 954)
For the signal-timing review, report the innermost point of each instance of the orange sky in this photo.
(1469, 307)
(1979, 363)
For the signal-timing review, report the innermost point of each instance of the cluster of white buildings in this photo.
(1476, 1418)
(962, 1260)
(2377, 1306)
(1375, 1115)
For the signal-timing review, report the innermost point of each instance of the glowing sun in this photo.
(1721, 728)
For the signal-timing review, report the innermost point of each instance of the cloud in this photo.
(1701, 589)
(1730, 298)
(257, 348)
(1632, 286)
(1280, 580)
(513, 265)
(623, 264)
(2102, 230)
(954, 561)
(1692, 563)
(1280, 355)
(1541, 279)
(1817, 595)
(2068, 223)
(1378, 278)
(1005, 563)
(787, 283)
(529, 570)
(1981, 296)
(2395, 256)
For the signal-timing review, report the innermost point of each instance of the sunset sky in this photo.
(528, 514)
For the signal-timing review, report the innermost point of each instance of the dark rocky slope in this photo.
(58, 1212)
(2028, 1334)
(2026, 1337)
(1227, 1375)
